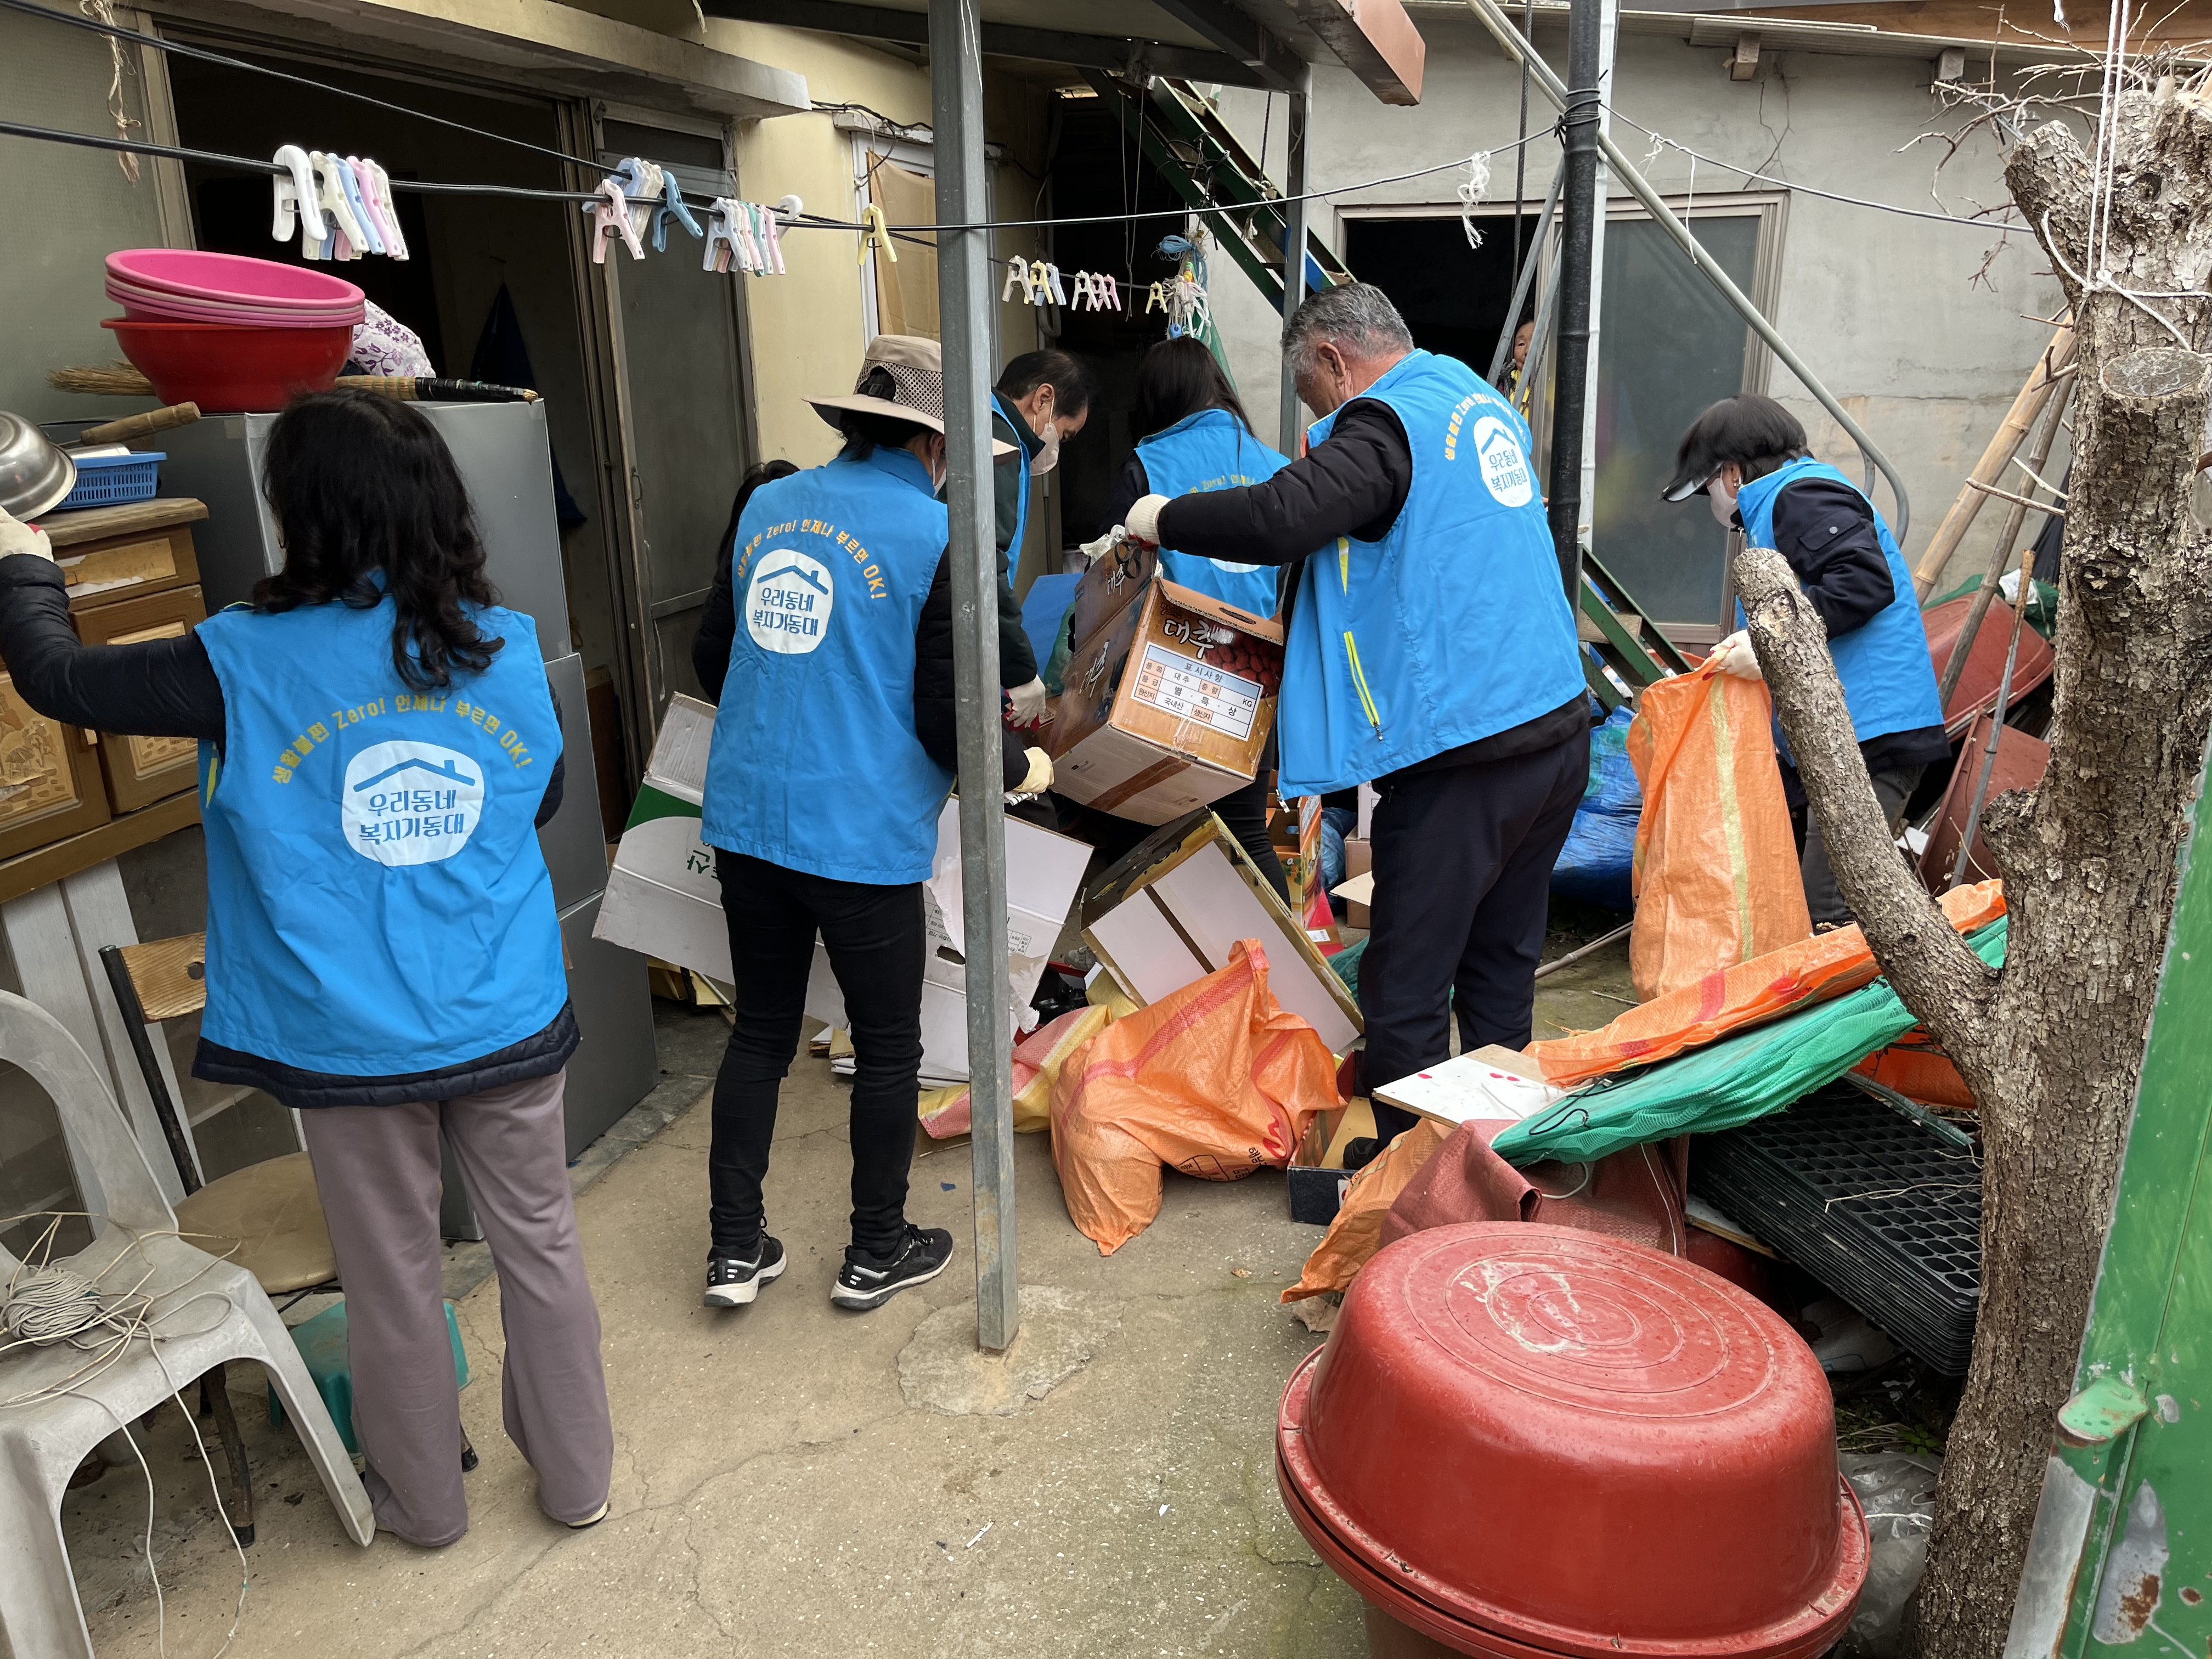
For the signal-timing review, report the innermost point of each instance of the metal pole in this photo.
(964, 301)
(1502, 27)
(1290, 425)
(1528, 269)
(1579, 211)
(1609, 27)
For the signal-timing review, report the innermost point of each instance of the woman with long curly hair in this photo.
(378, 746)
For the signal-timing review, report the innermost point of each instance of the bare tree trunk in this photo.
(2052, 1046)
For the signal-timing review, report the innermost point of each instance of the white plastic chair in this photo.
(221, 1314)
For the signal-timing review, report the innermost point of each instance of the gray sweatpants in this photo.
(376, 1167)
(1822, 897)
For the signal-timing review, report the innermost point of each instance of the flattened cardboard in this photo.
(1171, 910)
(1168, 707)
(662, 899)
(1488, 1084)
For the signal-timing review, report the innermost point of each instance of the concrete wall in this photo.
(808, 330)
(1898, 316)
(69, 208)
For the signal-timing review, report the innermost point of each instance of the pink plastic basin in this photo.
(231, 278)
(151, 306)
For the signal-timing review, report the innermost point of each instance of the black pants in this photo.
(877, 942)
(1463, 859)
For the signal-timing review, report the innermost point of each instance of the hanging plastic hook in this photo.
(295, 198)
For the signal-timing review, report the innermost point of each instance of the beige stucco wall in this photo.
(808, 329)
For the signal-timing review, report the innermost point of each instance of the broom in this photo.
(120, 379)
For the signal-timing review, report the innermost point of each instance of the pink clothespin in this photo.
(611, 212)
(773, 222)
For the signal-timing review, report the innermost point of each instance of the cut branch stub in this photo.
(1948, 987)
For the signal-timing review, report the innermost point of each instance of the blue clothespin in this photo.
(672, 207)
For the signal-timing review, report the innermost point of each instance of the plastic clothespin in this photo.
(1080, 288)
(745, 245)
(721, 235)
(393, 236)
(1052, 285)
(672, 207)
(1106, 294)
(1156, 299)
(331, 195)
(1017, 276)
(762, 219)
(1040, 283)
(372, 234)
(873, 234)
(772, 225)
(295, 198)
(611, 212)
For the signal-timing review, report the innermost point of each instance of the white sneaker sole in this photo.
(863, 1300)
(736, 1296)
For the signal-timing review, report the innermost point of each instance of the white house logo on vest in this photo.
(410, 802)
(788, 609)
(1504, 469)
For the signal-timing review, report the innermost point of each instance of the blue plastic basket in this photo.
(114, 480)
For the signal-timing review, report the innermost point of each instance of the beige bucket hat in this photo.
(916, 366)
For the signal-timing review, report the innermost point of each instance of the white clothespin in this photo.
(747, 242)
(721, 235)
(1017, 276)
(331, 195)
(611, 212)
(1084, 298)
(295, 198)
(393, 235)
(645, 198)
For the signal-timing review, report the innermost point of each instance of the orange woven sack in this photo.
(1811, 970)
(1357, 1232)
(1715, 871)
(1217, 1080)
(1918, 1068)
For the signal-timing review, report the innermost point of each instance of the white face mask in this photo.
(1047, 455)
(1721, 500)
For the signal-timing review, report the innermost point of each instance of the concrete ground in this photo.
(792, 1480)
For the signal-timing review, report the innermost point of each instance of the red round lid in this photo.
(1580, 1445)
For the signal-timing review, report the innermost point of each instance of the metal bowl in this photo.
(34, 473)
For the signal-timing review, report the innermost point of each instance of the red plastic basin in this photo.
(192, 274)
(1530, 1441)
(230, 369)
(146, 305)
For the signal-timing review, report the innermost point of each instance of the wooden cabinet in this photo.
(108, 554)
(49, 781)
(142, 770)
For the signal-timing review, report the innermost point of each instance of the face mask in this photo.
(1047, 455)
(1723, 500)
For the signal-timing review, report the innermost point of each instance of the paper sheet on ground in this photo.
(1472, 1088)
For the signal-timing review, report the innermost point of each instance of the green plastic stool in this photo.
(322, 1344)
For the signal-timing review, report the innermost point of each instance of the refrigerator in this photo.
(506, 462)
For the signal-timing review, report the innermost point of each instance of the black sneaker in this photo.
(868, 1281)
(731, 1283)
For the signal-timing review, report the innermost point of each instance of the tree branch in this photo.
(1948, 988)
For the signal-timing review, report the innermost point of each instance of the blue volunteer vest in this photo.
(377, 902)
(1212, 450)
(1455, 626)
(1889, 679)
(815, 765)
(1019, 461)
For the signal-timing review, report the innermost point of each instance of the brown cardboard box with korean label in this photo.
(1120, 576)
(1168, 707)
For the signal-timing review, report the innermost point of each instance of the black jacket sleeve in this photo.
(1133, 483)
(710, 646)
(153, 689)
(1351, 484)
(1825, 530)
(935, 719)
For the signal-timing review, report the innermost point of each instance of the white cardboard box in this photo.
(662, 899)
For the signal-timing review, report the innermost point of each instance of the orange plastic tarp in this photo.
(1217, 1080)
(1812, 969)
(1357, 1232)
(1918, 1068)
(1715, 871)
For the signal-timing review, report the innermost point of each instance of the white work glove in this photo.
(1737, 658)
(1030, 701)
(16, 536)
(1036, 780)
(1143, 524)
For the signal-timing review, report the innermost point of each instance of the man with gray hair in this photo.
(1430, 650)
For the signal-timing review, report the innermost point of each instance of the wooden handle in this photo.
(140, 426)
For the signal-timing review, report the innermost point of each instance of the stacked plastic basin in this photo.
(227, 332)
(1526, 1442)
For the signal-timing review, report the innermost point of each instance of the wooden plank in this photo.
(169, 974)
(96, 524)
(48, 864)
(2042, 380)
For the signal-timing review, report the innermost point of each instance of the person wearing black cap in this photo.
(1750, 458)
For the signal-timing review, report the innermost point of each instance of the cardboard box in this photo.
(1358, 860)
(662, 899)
(1107, 588)
(1316, 1178)
(1168, 707)
(1171, 912)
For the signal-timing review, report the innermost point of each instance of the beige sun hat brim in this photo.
(822, 406)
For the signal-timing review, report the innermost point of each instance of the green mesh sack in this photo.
(1724, 1084)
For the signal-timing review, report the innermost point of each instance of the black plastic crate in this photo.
(1881, 1209)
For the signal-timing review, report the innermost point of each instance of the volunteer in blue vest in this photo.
(378, 747)
(1430, 650)
(1200, 438)
(1749, 457)
(834, 750)
(1042, 400)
